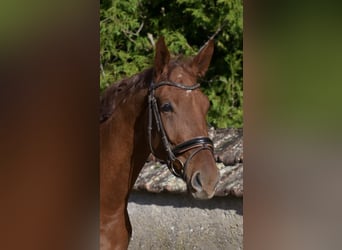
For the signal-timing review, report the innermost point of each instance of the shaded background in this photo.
(49, 125)
(292, 111)
(49, 54)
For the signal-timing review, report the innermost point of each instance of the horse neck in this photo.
(124, 136)
(139, 146)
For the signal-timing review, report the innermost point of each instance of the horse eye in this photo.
(166, 107)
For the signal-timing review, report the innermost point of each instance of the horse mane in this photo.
(115, 93)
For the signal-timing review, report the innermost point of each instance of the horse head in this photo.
(180, 134)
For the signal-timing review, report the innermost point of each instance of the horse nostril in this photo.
(196, 182)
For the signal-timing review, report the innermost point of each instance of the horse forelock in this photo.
(180, 60)
(184, 63)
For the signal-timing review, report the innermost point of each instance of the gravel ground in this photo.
(177, 221)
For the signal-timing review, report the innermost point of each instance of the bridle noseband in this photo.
(173, 151)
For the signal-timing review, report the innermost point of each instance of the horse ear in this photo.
(200, 63)
(162, 57)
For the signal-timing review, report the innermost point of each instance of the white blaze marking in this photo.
(188, 92)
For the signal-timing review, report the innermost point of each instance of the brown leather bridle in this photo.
(173, 151)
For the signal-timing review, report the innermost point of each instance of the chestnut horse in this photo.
(161, 111)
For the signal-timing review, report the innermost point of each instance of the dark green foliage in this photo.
(128, 27)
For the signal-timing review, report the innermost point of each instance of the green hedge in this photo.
(127, 27)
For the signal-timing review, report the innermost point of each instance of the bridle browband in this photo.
(173, 151)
